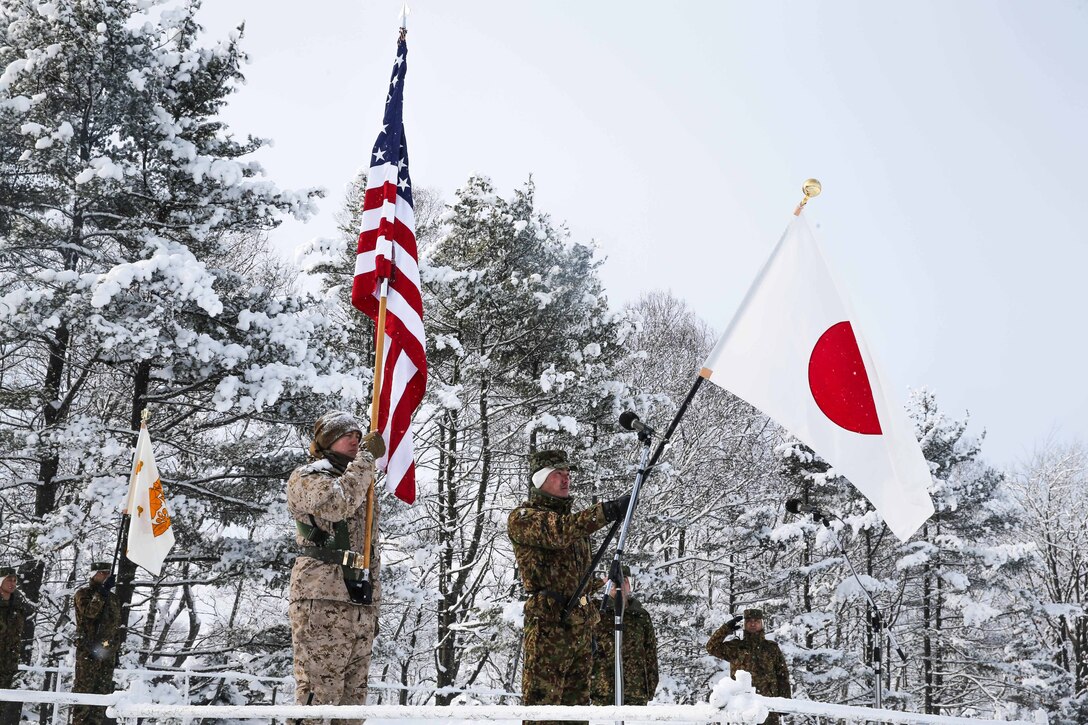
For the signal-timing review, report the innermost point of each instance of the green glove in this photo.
(374, 443)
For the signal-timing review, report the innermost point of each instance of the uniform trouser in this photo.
(93, 676)
(332, 643)
(9, 711)
(558, 664)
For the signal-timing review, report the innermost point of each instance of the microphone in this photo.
(796, 506)
(630, 421)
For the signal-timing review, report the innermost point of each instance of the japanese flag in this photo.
(150, 535)
(793, 351)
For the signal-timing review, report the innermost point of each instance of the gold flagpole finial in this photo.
(145, 415)
(810, 189)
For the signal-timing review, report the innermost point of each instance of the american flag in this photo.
(387, 250)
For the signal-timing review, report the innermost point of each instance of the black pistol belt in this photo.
(341, 557)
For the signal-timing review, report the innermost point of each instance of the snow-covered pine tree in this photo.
(1047, 654)
(124, 204)
(811, 572)
(955, 569)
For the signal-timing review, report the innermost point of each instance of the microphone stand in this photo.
(615, 574)
(648, 467)
(876, 623)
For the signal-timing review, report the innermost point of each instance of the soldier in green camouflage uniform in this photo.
(639, 651)
(14, 612)
(332, 630)
(552, 549)
(754, 654)
(98, 620)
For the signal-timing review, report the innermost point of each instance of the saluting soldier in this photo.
(14, 611)
(639, 650)
(332, 628)
(754, 654)
(552, 549)
(98, 619)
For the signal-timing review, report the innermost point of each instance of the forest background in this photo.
(135, 272)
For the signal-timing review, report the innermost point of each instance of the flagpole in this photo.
(379, 367)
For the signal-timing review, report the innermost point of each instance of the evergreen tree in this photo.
(1047, 650)
(956, 568)
(824, 667)
(129, 219)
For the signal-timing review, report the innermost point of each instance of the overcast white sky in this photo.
(951, 139)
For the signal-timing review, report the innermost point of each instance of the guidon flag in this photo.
(150, 531)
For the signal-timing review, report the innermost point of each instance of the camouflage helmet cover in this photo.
(553, 458)
(330, 427)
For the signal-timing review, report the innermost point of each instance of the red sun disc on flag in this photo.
(839, 383)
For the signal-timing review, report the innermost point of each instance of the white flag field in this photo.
(150, 535)
(793, 351)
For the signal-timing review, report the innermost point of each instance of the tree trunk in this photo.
(45, 498)
(445, 674)
(927, 633)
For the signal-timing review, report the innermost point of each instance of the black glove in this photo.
(360, 591)
(735, 621)
(107, 584)
(616, 509)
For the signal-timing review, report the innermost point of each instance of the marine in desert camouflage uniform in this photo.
(754, 654)
(332, 631)
(639, 651)
(551, 546)
(98, 621)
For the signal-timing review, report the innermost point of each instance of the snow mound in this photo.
(738, 698)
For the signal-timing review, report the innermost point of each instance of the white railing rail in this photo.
(700, 713)
(287, 683)
(127, 711)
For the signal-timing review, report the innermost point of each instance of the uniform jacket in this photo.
(317, 490)
(98, 618)
(13, 615)
(552, 549)
(639, 655)
(754, 654)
